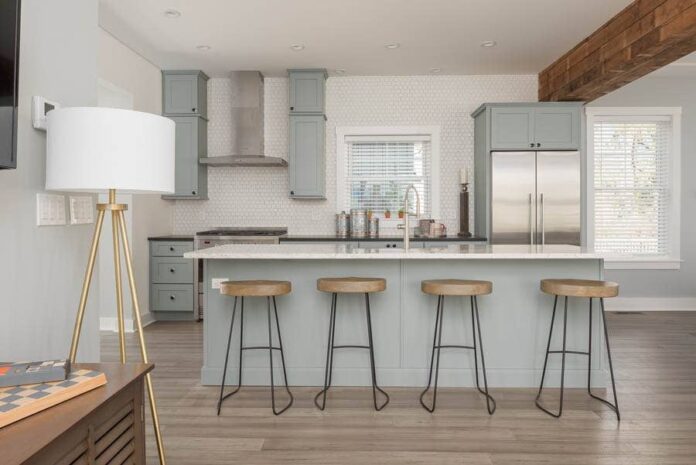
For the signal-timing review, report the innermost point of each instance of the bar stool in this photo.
(268, 289)
(584, 289)
(457, 287)
(337, 286)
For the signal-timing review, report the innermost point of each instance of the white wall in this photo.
(259, 196)
(42, 268)
(148, 215)
(666, 92)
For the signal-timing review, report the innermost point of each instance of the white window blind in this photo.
(632, 181)
(380, 168)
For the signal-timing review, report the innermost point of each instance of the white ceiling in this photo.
(351, 34)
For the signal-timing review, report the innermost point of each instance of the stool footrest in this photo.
(449, 346)
(260, 348)
(350, 347)
(576, 352)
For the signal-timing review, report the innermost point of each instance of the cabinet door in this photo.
(181, 94)
(557, 128)
(186, 159)
(306, 164)
(512, 128)
(307, 91)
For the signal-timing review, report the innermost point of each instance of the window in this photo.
(634, 185)
(376, 165)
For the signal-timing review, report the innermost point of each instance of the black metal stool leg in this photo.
(436, 344)
(227, 356)
(375, 387)
(615, 405)
(329, 355)
(563, 355)
(489, 399)
(282, 358)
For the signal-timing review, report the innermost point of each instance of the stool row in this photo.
(440, 288)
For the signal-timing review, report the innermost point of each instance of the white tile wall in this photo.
(259, 196)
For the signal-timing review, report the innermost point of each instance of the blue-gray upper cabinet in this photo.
(538, 126)
(191, 143)
(307, 166)
(185, 93)
(307, 89)
(512, 127)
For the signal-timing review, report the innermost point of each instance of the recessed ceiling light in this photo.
(297, 47)
(203, 48)
(489, 43)
(172, 13)
(340, 71)
(393, 46)
(435, 70)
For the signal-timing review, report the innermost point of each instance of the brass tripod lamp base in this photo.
(119, 237)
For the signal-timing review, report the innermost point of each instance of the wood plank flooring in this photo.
(655, 363)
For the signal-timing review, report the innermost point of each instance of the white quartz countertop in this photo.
(466, 251)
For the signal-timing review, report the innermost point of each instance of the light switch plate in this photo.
(215, 282)
(50, 210)
(81, 210)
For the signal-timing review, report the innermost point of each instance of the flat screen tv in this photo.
(9, 78)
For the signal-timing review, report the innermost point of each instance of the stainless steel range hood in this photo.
(247, 124)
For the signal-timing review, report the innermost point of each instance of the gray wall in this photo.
(42, 268)
(666, 92)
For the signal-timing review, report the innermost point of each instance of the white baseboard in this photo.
(650, 304)
(110, 323)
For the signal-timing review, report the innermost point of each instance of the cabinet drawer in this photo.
(171, 249)
(172, 297)
(171, 270)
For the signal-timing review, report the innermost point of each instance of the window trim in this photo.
(342, 153)
(665, 262)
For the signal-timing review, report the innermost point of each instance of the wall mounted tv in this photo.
(9, 79)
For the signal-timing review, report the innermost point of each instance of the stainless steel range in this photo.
(221, 236)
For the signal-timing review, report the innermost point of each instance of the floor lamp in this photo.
(105, 150)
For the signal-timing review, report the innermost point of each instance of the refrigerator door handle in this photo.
(531, 220)
(541, 213)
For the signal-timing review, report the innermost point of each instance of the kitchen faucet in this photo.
(406, 226)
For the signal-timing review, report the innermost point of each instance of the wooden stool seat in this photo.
(351, 285)
(460, 287)
(580, 288)
(255, 288)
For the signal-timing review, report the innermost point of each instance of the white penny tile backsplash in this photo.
(259, 196)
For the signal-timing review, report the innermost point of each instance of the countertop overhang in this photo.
(466, 251)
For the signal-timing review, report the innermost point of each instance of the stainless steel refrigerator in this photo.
(535, 198)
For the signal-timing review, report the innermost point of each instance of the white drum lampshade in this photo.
(95, 149)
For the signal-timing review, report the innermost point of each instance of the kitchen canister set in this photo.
(356, 224)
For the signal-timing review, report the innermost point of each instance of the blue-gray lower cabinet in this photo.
(171, 280)
(307, 161)
(191, 177)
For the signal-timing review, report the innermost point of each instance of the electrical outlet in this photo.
(50, 210)
(215, 283)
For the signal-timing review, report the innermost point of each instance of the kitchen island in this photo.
(514, 319)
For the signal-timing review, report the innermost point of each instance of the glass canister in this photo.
(373, 230)
(358, 222)
(342, 224)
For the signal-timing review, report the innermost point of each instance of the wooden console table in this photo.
(104, 426)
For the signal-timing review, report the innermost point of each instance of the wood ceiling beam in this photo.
(644, 36)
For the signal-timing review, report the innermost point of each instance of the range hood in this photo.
(247, 124)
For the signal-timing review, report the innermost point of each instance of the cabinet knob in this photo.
(171, 249)
(292, 108)
(532, 144)
(193, 192)
(193, 109)
(292, 192)
(538, 144)
(171, 297)
(172, 270)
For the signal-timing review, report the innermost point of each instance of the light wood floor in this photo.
(655, 362)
